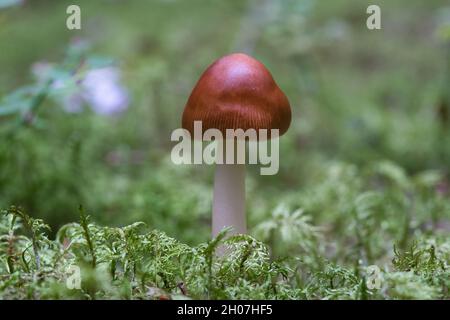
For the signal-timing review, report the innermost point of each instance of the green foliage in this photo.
(364, 168)
(126, 263)
(132, 263)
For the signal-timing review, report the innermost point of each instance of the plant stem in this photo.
(229, 198)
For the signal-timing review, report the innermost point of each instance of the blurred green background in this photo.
(371, 114)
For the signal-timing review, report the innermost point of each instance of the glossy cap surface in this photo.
(237, 92)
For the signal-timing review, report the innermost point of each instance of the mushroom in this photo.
(235, 92)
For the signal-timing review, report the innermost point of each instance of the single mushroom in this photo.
(235, 92)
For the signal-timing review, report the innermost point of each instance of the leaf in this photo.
(393, 172)
(366, 202)
(96, 62)
(17, 101)
(428, 179)
(10, 3)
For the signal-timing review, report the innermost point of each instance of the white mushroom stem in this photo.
(229, 199)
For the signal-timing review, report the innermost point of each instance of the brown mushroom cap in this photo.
(237, 92)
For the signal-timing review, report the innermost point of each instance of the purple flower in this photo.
(73, 103)
(443, 188)
(102, 91)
